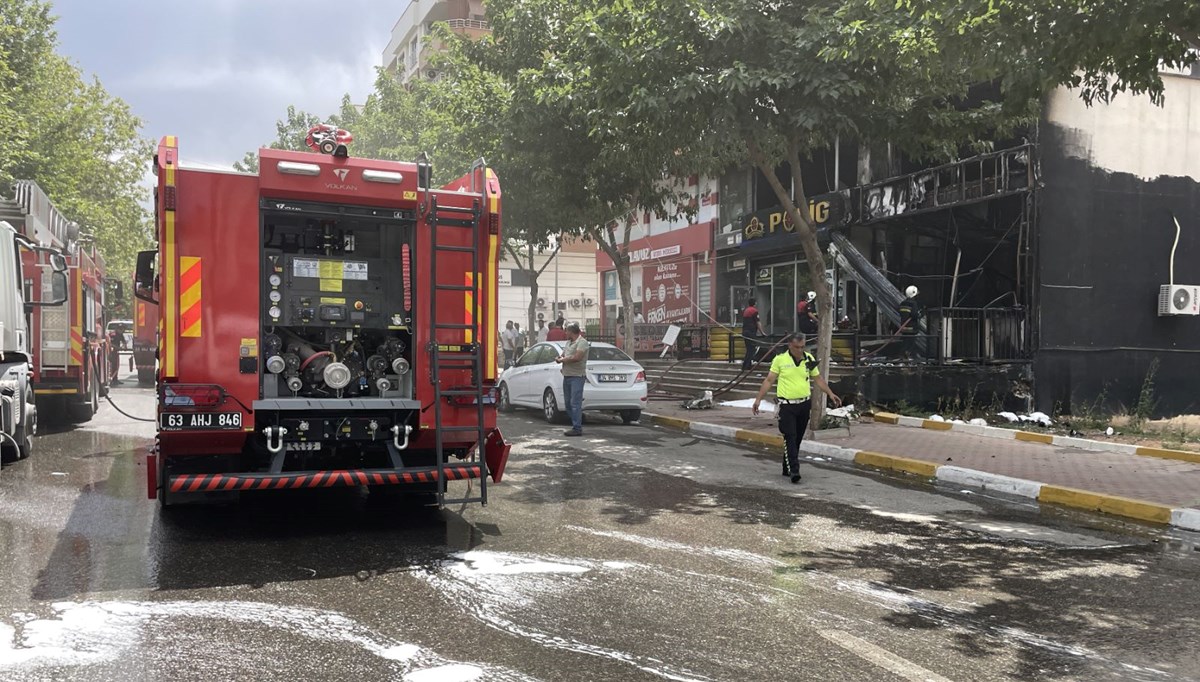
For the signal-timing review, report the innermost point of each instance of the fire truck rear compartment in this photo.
(336, 347)
(336, 319)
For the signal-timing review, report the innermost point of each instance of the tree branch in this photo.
(516, 257)
(553, 255)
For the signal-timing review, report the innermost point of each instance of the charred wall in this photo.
(1104, 245)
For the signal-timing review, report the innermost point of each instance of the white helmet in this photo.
(812, 295)
(910, 292)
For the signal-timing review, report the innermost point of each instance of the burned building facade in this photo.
(1045, 268)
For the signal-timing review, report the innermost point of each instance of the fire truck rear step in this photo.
(337, 478)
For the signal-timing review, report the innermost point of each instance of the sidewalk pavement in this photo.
(1149, 486)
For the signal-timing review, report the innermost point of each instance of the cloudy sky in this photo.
(219, 73)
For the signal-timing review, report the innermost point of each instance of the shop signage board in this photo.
(667, 292)
(766, 229)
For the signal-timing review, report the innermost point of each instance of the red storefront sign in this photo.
(667, 292)
(691, 240)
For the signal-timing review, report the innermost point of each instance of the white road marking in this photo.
(881, 657)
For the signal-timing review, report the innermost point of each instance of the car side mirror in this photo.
(144, 280)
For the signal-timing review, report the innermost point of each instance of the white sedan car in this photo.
(615, 383)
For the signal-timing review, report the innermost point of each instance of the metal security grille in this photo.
(56, 338)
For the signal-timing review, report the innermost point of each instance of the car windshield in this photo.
(606, 354)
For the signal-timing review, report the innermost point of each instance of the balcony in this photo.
(474, 24)
(980, 178)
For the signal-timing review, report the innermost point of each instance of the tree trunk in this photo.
(533, 297)
(531, 330)
(620, 258)
(807, 236)
(626, 302)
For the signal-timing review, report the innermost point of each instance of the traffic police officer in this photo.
(794, 369)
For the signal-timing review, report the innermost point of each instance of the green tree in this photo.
(586, 173)
(291, 132)
(78, 142)
(766, 84)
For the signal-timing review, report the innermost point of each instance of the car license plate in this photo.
(201, 421)
(612, 377)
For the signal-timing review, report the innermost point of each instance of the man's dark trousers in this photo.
(751, 352)
(793, 422)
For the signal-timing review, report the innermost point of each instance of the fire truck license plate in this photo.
(201, 421)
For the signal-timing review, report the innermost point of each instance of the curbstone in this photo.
(1185, 518)
(1030, 437)
(1110, 504)
(1188, 519)
(715, 430)
(826, 450)
(769, 439)
(936, 425)
(995, 482)
(671, 421)
(1181, 455)
(882, 461)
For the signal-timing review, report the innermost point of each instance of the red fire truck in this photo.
(68, 343)
(328, 321)
(145, 338)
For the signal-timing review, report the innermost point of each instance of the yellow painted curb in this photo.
(936, 426)
(1029, 437)
(881, 461)
(1109, 504)
(673, 422)
(887, 418)
(770, 439)
(1181, 455)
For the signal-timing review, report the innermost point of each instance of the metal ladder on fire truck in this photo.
(445, 357)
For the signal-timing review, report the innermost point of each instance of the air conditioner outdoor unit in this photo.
(589, 301)
(575, 303)
(541, 303)
(1178, 299)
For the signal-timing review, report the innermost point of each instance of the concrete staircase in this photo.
(691, 378)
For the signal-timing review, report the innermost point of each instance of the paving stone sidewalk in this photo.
(1163, 481)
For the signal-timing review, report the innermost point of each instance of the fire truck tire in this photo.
(83, 412)
(505, 402)
(23, 434)
(550, 408)
(28, 428)
(145, 377)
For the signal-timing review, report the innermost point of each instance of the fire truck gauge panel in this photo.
(332, 292)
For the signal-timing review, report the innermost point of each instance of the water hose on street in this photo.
(130, 416)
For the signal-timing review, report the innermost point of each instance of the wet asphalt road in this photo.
(634, 553)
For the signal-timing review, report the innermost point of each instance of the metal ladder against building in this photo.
(457, 358)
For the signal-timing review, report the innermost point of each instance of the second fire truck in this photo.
(327, 321)
(68, 342)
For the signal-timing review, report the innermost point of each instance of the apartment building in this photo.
(407, 53)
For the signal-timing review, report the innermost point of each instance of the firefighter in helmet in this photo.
(910, 322)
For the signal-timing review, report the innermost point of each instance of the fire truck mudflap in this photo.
(328, 322)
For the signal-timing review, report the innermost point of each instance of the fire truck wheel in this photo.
(28, 428)
(550, 408)
(83, 412)
(505, 403)
(145, 377)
